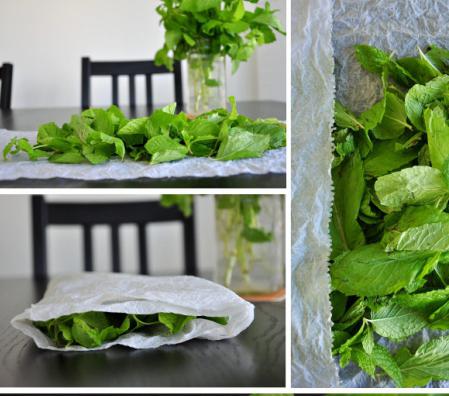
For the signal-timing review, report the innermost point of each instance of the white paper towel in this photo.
(139, 294)
(312, 119)
(19, 166)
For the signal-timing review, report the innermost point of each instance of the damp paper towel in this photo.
(139, 294)
(312, 119)
(394, 26)
(273, 161)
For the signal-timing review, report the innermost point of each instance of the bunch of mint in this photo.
(215, 28)
(93, 329)
(390, 221)
(238, 217)
(98, 135)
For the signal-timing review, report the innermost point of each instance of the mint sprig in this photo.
(93, 329)
(97, 135)
(389, 228)
(215, 28)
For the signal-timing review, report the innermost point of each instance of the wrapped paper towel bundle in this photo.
(91, 311)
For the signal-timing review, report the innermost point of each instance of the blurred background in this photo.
(65, 253)
(46, 39)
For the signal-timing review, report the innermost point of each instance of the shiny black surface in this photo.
(255, 358)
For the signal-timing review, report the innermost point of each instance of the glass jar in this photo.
(206, 83)
(251, 263)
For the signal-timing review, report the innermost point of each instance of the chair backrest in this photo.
(131, 69)
(6, 86)
(113, 214)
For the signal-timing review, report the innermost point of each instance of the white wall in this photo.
(65, 242)
(46, 39)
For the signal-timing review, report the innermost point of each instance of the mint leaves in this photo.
(96, 136)
(214, 28)
(92, 329)
(390, 220)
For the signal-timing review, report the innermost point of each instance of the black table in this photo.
(255, 358)
(30, 119)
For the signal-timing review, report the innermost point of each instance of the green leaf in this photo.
(183, 202)
(201, 127)
(372, 117)
(345, 231)
(69, 157)
(257, 235)
(418, 185)
(386, 362)
(368, 270)
(338, 301)
(352, 315)
(344, 146)
(172, 38)
(394, 120)
(368, 341)
(439, 58)
(385, 159)
(222, 320)
(372, 59)
(396, 322)
(364, 361)
(430, 362)
(419, 97)
(174, 322)
(236, 27)
(344, 118)
(339, 338)
(164, 149)
(49, 133)
(437, 136)
(419, 68)
(242, 144)
(426, 303)
(101, 120)
(199, 5)
(85, 335)
(433, 237)
(92, 329)
(117, 142)
(134, 127)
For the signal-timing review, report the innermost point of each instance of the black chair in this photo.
(6, 86)
(112, 214)
(131, 69)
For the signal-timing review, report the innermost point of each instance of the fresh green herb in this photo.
(214, 28)
(390, 220)
(239, 219)
(98, 135)
(92, 329)
(183, 202)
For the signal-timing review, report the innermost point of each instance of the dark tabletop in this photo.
(255, 358)
(30, 119)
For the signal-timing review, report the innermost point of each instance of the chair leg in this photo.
(143, 252)
(6, 86)
(85, 83)
(87, 241)
(178, 86)
(189, 246)
(115, 248)
(40, 219)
